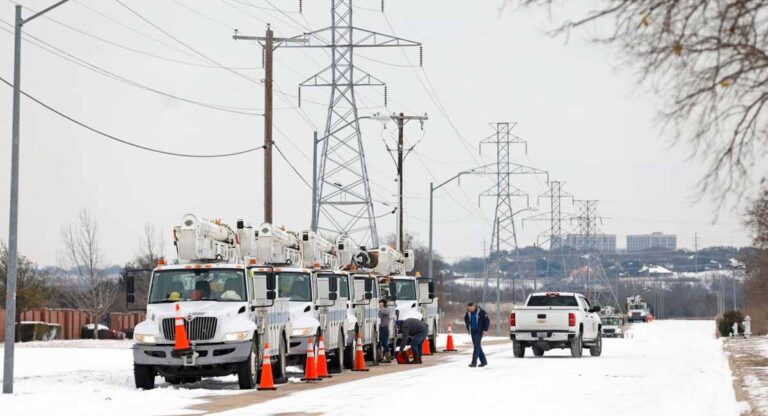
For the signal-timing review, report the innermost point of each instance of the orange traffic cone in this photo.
(425, 347)
(182, 342)
(449, 347)
(267, 381)
(322, 366)
(359, 356)
(310, 371)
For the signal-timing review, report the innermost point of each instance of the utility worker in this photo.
(385, 316)
(477, 323)
(417, 332)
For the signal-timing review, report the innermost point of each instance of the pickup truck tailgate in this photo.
(542, 319)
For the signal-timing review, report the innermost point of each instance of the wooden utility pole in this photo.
(401, 120)
(269, 42)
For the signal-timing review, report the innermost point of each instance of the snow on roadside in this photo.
(674, 368)
(88, 377)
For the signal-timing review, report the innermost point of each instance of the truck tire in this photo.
(144, 376)
(538, 351)
(279, 373)
(433, 338)
(576, 346)
(373, 349)
(248, 370)
(349, 354)
(337, 361)
(518, 349)
(174, 380)
(597, 349)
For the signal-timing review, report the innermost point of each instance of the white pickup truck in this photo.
(556, 320)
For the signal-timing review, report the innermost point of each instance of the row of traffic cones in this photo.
(317, 369)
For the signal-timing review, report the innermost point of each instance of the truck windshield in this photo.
(546, 300)
(405, 289)
(222, 285)
(637, 307)
(610, 320)
(343, 285)
(294, 285)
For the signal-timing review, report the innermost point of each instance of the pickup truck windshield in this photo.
(296, 286)
(637, 307)
(545, 300)
(405, 289)
(223, 285)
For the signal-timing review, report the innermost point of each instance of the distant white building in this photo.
(605, 243)
(644, 242)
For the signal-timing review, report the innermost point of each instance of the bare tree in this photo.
(756, 286)
(33, 288)
(708, 60)
(151, 247)
(87, 285)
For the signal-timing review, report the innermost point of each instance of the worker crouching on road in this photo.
(477, 322)
(417, 332)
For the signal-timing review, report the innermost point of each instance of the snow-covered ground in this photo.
(671, 368)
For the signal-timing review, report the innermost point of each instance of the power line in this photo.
(126, 142)
(92, 67)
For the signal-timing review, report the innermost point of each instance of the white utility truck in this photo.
(637, 309)
(612, 325)
(227, 314)
(313, 299)
(413, 296)
(556, 320)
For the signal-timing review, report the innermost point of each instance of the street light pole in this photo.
(13, 222)
(432, 189)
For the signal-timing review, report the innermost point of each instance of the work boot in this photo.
(417, 360)
(483, 364)
(473, 365)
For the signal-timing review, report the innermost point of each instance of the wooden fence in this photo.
(72, 320)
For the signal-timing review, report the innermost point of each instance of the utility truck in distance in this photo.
(637, 309)
(228, 312)
(556, 320)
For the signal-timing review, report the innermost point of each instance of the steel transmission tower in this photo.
(554, 235)
(504, 232)
(598, 287)
(343, 202)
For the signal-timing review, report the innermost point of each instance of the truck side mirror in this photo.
(392, 291)
(368, 285)
(271, 282)
(130, 288)
(333, 285)
(271, 295)
(431, 290)
(333, 296)
(368, 296)
(594, 309)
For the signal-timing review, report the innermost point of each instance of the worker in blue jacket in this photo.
(477, 323)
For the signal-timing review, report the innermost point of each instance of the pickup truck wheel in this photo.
(576, 347)
(248, 370)
(518, 349)
(538, 351)
(597, 349)
(337, 361)
(279, 373)
(144, 376)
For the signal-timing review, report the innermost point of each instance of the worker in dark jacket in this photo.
(417, 332)
(477, 323)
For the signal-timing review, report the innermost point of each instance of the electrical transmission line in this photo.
(554, 235)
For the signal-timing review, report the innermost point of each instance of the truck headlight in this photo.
(302, 332)
(144, 339)
(236, 336)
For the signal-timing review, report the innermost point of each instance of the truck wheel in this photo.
(373, 349)
(144, 376)
(518, 349)
(538, 351)
(248, 370)
(597, 349)
(279, 373)
(349, 354)
(174, 380)
(433, 338)
(576, 346)
(337, 361)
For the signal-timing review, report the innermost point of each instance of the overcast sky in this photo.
(585, 120)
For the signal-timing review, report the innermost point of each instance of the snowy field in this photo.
(671, 368)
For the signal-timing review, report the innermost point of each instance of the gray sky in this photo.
(585, 120)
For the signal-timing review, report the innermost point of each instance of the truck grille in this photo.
(202, 328)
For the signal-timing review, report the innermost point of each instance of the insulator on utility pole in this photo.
(299, 96)
(382, 6)
(421, 56)
(263, 57)
(386, 97)
(301, 6)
